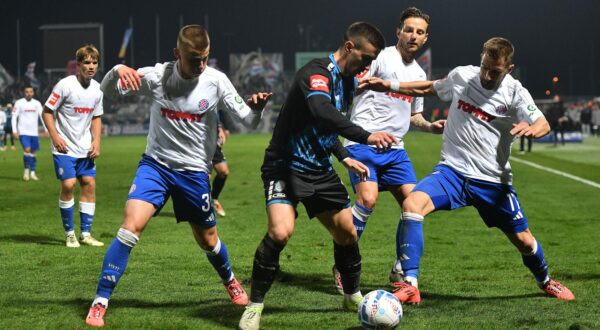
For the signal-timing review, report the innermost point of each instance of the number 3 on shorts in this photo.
(206, 206)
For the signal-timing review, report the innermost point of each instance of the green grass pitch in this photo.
(471, 276)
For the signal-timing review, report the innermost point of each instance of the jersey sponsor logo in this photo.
(53, 98)
(203, 104)
(29, 110)
(475, 111)
(402, 97)
(318, 82)
(83, 110)
(180, 115)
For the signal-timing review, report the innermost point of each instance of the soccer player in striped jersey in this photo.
(489, 110)
(72, 116)
(297, 167)
(185, 96)
(26, 113)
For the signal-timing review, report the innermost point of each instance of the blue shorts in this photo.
(28, 141)
(388, 168)
(496, 203)
(155, 183)
(67, 167)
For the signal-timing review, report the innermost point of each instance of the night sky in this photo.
(552, 37)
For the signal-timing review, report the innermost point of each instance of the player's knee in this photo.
(412, 205)
(68, 186)
(367, 200)
(280, 235)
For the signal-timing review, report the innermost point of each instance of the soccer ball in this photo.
(379, 310)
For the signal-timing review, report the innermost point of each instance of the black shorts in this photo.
(318, 192)
(219, 156)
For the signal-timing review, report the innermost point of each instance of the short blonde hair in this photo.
(194, 36)
(85, 51)
(498, 48)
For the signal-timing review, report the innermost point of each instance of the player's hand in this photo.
(437, 127)
(373, 83)
(521, 129)
(222, 136)
(382, 140)
(59, 144)
(15, 135)
(94, 150)
(357, 167)
(130, 78)
(258, 101)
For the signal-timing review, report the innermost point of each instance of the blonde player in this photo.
(182, 137)
(72, 115)
(26, 112)
(489, 109)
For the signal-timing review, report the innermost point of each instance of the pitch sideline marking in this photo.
(557, 172)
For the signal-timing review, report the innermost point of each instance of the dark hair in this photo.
(365, 30)
(413, 12)
(498, 48)
(194, 36)
(28, 86)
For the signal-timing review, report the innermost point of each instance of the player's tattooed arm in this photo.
(437, 127)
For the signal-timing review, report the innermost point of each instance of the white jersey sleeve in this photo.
(112, 85)
(230, 100)
(443, 87)
(525, 106)
(57, 96)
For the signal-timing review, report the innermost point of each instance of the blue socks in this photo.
(360, 215)
(219, 259)
(409, 243)
(66, 214)
(536, 263)
(29, 161)
(115, 261)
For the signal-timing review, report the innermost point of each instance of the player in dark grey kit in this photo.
(297, 165)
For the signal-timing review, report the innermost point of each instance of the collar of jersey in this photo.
(333, 66)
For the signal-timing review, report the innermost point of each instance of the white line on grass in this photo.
(551, 170)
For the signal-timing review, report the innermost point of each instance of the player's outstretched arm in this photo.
(58, 142)
(437, 127)
(538, 129)
(413, 88)
(120, 79)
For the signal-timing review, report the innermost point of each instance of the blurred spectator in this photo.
(529, 144)
(557, 119)
(586, 119)
(7, 128)
(596, 118)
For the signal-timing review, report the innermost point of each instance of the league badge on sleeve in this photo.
(319, 83)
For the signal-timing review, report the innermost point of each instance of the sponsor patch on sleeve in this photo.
(53, 98)
(319, 83)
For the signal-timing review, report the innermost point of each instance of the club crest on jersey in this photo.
(501, 110)
(203, 104)
(318, 82)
